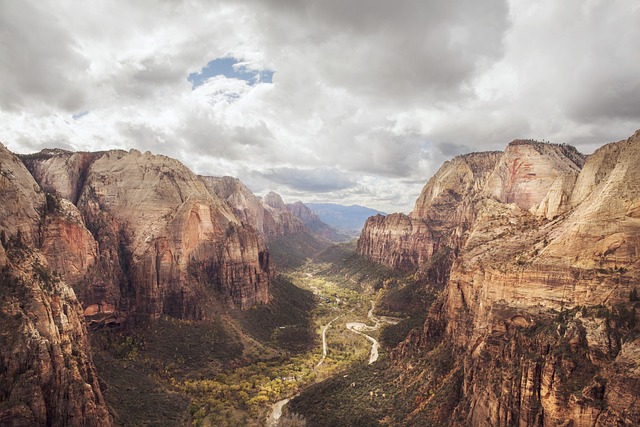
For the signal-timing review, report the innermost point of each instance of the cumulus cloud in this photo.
(40, 62)
(366, 100)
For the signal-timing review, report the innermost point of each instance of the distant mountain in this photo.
(346, 219)
(312, 221)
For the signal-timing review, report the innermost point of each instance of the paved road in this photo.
(276, 412)
(359, 328)
(324, 341)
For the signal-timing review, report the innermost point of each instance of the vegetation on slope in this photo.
(292, 250)
(231, 370)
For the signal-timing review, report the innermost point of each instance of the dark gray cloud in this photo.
(449, 149)
(317, 180)
(412, 51)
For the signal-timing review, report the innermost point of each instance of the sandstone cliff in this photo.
(314, 224)
(440, 218)
(537, 305)
(268, 215)
(289, 241)
(284, 222)
(165, 243)
(47, 374)
(48, 377)
(246, 205)
(22, 199)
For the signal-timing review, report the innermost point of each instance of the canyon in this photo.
(536, 253)
(508, 296)
(116, 239)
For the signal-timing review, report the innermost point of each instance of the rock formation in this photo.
(284, 222)
(160, 242)
(47, 373)
(48, 376)
(313, 223)
(546, 253)
(268, 215)
(439, 219)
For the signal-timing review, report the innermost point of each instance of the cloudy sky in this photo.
(348, 101)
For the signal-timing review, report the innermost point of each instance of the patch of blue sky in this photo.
(79, 115)
(230, 68)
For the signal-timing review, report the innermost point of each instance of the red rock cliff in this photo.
(440, 218)
(268, 215)
(166, 244)
(537, 307)
(47, 376)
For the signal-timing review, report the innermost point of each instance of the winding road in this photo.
(276, 411)
(355, 327)
(359, 328)
(324, 341)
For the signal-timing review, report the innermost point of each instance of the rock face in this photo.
(284, 222)
(47, 374)
(247, 207)
(165, 243)
(268, 215)
(439, 219)
(313, 223)
(528, 169)
(537, 305)
(65, 241)
(22, 199)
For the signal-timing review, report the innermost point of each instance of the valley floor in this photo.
(242, 368)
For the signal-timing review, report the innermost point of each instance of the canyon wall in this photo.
(538, 306)
(159, 241)
(440, 219)
(289, 240)
(48, 376)
(313, 223)
(269, 215)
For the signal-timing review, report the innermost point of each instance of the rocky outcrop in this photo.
(314, 224)
(284, 222)
(398, 241)
(268, 215)
(47, 376)
(166, 244)
(289, 241)
(65, 241)
(537, 304)
(246, 205)
(23, 200)
(440, 218)
(528, 169)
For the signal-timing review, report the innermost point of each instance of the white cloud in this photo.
(368, 97)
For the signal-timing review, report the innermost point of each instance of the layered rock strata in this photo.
(312, 222)
(165, 243)
(47, 376)
(269, 215)
(538, 305)
(440, 218)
